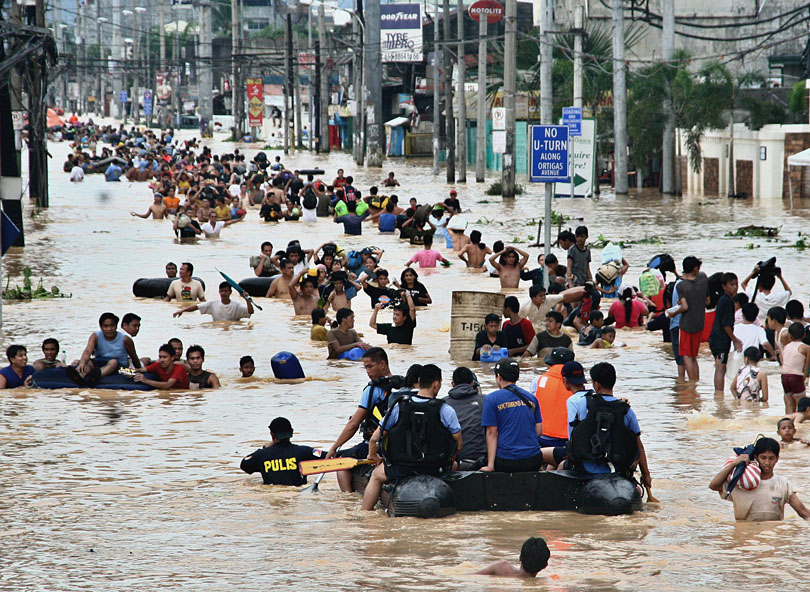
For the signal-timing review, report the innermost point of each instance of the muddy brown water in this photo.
(106, 490)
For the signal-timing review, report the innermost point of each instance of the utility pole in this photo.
(509, 81)
(99, 74)
(668, 149)
(437, 106)
(310, 89)
(136, 70)
(323, 90)
(287, 82)
(579, 14)
(299, 140)
(547, 104)
(236, 84)
(37, 107)
(481, 123)
(450, 123)
(461, 130)
(205, 74)
(619, 101)
(10, 159)
(374, 83)
(116, 55)
(359, 99)
(81, 41)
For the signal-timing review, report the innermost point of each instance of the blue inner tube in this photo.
(57, 378)
(155, 287)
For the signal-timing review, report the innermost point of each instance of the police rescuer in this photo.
(278, 461)
(419, 436)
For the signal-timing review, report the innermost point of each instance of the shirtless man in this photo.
(534, 556)
(50, 349)
(305, 301)
(460, 240)
(338, 298)
(474, 253)
(157, 210)
(508, 265)
(280, 287)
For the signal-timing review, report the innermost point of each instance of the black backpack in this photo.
(602, 435)
(418, 439)
(310, 199)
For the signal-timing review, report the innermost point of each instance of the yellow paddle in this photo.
(327, 465)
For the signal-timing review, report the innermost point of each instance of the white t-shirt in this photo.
(767, 301)
(212, 231)
(76, 174)
(186, 292)
(766, 502)
(234, 190)
(537, 314)
(233, 311)
(750, 335)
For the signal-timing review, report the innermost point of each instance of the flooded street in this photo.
(106, 490)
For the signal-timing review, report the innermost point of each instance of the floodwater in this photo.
(107, 490)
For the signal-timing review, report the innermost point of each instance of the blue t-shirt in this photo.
(12, 379)
(675, 321)
(371, 396)
(352, 223)
(580, 412)
(388, 222)
(113, 172)
(448, 416)
(517, 436)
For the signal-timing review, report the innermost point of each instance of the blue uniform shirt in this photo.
(517, 436)
(580, 412)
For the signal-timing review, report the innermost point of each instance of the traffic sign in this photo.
(548, 154)
(572, 117)
(147, 102)
(122, 97)
(492, 10)
(498, 118)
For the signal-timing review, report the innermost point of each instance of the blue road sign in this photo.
(572, 117)
(147, 102)
(122, 97)
(548, 154)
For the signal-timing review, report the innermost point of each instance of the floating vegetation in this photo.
(649, 239)
(495, 189)
(755, 231)
(28, 292)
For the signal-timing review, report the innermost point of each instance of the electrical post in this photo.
(373, 71)
(136, 100)
(668, 148)
(310, 91)
(323, 91)
(236, 84)
(461, 129)
(547, 105)
(437, 108)
(100, 77)
(481, 123)
(450, 124)
(115, 55)
(205, 74)
(357, 67)
(509, 81)
(81, 42)
(299, 140)
(287, 82)
(619, 101)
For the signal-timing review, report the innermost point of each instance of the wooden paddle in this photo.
(314, 487)
(327, 465)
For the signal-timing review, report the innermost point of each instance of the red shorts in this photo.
(689, 343)
(793, 384)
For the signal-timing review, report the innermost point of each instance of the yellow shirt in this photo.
(318, 333)
(223, 212)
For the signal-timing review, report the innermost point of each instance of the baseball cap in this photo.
(453, 192)
(281, 428)
(559, 355)
(574, 373)
(508, 369)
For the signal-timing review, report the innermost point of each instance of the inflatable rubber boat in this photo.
(424, 496)
(156, 287)
(57, 378)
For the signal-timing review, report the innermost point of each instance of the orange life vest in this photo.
(552, 396)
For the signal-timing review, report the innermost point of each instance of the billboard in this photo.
(255, 87)
(401, 32)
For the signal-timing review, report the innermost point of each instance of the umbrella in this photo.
(740, 468)
(239, 289)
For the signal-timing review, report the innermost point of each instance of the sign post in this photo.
(255, 88)
(548, 154)
(572, 117)
(401, 32)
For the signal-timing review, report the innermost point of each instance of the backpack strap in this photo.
(531, 405)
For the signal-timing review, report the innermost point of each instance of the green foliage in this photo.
(764, 112)
(798, 98)
(760, 231)
(495, 189)
(28, 292)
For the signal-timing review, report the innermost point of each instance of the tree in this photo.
(798, 99)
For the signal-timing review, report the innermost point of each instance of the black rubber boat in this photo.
(473, 491)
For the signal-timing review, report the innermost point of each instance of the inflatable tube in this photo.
(475, 491)
(311, 171)
(257, 286)
(57, 378)
(354, 354)
(155, 287)
(285, 365)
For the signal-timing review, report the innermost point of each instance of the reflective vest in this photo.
(552, 396)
